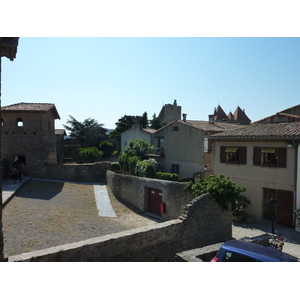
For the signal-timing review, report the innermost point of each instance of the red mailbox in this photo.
(162, 208)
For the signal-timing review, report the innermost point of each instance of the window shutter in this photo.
(257, 156)
(223, 154)
(281, 157)
(243, 155)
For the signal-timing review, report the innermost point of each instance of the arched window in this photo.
(2, 122)
(20, 122)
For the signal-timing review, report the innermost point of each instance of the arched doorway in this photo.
(19, 159)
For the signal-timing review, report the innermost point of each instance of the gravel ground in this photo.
(45, 214)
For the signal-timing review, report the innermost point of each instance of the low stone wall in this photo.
(203, 223)
(133, 190)
(77, 173)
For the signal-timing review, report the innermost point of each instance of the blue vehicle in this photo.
(240, 251)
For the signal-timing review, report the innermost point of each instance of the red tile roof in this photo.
(270, 130)
(206, 126)
(32, 107)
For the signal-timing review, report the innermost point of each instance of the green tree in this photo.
(122, 125)
(156, 122)
(87, 133)
(135, 151)
(138, 148)
(221, 188)
(144, 120)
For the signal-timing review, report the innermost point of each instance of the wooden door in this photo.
(285, 211)
(154, 201)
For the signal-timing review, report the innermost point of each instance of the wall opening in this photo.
(20, 122)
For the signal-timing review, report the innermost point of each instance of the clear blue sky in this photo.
(106, 78)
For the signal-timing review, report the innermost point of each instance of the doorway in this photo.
(284, 208)
(154, 201)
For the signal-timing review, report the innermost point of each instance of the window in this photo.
(19, 122)
(175, 168)
(237, 257)
(176, 128)
(233, 155)
(269, 157)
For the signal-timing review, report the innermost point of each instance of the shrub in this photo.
(220, 188)
(145, 169)
(139, 148)
(107, 148)
(131, 163)
(167, 176)
(90, 154)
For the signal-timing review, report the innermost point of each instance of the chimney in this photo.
(211, 119)
(184, 117)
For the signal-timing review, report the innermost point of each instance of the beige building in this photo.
(264, 159)
(184, 148)
(137, 132)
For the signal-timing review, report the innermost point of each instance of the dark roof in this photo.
(206, 125)
(266, 131)
(32, 107)
(9, 47)
(292, 113)
(240, 115)
(219, 114)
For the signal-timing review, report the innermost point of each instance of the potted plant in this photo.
(238, 208)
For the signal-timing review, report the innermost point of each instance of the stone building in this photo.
(170, 112)
(28, 135)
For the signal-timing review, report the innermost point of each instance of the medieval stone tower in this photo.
(170, 112)
(28, 135)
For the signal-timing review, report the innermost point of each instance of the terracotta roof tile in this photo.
(32, 107)
(270, 130)
(206, 126)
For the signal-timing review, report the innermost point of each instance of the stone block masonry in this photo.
(203, 223)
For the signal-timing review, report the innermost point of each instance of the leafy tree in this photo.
(144, 120)
(156, 122)
(220, 188)
(123, 124)
(134, 152)
(138, 148)
(87, 133)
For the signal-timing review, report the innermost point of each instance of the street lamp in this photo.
(8, 48)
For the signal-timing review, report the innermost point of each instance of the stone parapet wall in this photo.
(76, 173)
(133, 190)
(203, 223)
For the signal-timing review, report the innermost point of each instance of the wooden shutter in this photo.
(243, 155)
(223, 154)
(257, 156)
(281, 157)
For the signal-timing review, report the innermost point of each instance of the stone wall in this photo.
(76, 173)
(203, 223)
(133, 190)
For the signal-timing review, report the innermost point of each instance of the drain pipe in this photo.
(295, 178)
